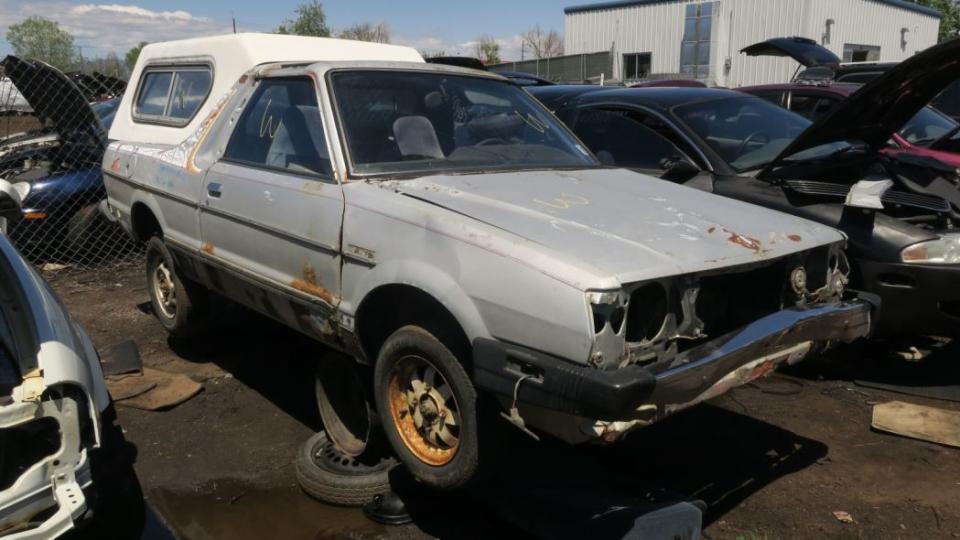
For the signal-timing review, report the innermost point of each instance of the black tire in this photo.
(82, 229)
(345, 403)
(429, 458)
(190, 301)
(327, 474)
(115, 504)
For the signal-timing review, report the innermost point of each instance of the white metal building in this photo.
(703, 38)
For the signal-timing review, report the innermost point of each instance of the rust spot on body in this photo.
(208, 248)
(795, 237)
(743, 241)
(309, 284)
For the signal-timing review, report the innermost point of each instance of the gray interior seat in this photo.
(415, 136)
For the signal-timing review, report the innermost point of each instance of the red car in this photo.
(929, 133)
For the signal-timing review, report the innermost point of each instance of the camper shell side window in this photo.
(172, 94)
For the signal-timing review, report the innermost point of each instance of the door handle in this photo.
(215, 190)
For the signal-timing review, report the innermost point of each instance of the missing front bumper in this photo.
(637, 394)
(55, 481)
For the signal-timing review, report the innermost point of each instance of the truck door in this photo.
(272, 209)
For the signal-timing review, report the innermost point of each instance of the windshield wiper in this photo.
(835, 153)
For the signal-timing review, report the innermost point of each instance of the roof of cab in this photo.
(231, 56)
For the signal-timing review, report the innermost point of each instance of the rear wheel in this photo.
(179, 305)
(429, 408)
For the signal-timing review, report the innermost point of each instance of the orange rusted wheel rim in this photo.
(424, 410)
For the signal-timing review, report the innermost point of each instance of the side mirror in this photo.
(677, 169)
(11, 198)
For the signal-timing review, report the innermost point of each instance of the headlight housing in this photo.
(943, 250)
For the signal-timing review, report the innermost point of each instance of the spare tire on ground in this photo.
(327, 474)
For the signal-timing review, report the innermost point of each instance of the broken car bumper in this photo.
(640, 393)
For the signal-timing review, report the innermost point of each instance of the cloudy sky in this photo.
(449, 26)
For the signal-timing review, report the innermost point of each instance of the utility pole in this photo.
(234, 19)
(523, 45)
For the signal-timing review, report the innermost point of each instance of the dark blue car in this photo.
(61, 162)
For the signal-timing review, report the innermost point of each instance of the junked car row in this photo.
(593, 271)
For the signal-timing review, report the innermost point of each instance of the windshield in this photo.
(410, 122)
(747, 132)
(927, 127)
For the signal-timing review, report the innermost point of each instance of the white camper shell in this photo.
(228, 57)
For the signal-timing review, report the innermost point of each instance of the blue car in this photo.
(60, 161)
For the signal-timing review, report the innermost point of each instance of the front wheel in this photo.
(179, 305)
(428, 407)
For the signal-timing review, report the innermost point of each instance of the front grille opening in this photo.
(819, 266)
(647, 313)
(729, 301)
(951, 308)
(24, 445)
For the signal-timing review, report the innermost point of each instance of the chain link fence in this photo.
(53, 133)
(574, 68)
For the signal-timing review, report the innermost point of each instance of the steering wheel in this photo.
(491, 140)
(746, 142)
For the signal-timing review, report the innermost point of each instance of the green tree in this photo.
(311, 21)
(41, 39)
(377, 33)
(487, 50)
(133, 54)
(950, 25)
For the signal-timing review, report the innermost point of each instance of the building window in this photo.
(695, 49)
(636, 66)
(860, 53)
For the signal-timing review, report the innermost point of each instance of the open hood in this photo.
(880, 108)
(56, 98)
(806, 51)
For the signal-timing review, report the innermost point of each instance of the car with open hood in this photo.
(899, 210)
(928, 133)
(61, 161)
(821, 67)
(53, 400)
(439, 226)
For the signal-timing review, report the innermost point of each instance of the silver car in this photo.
(438, 225)
(52, 395)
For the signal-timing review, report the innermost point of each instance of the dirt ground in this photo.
(772, 460)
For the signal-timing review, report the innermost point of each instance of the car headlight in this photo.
(943, 250)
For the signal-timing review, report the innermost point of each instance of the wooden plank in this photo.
(918, 422)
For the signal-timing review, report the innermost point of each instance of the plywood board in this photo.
(918, 422)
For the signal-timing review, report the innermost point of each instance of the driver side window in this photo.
(620, 137)
(281, 129)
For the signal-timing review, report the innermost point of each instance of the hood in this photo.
(56, 98)
(806, 51)
(880, 108)
(621, 223)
